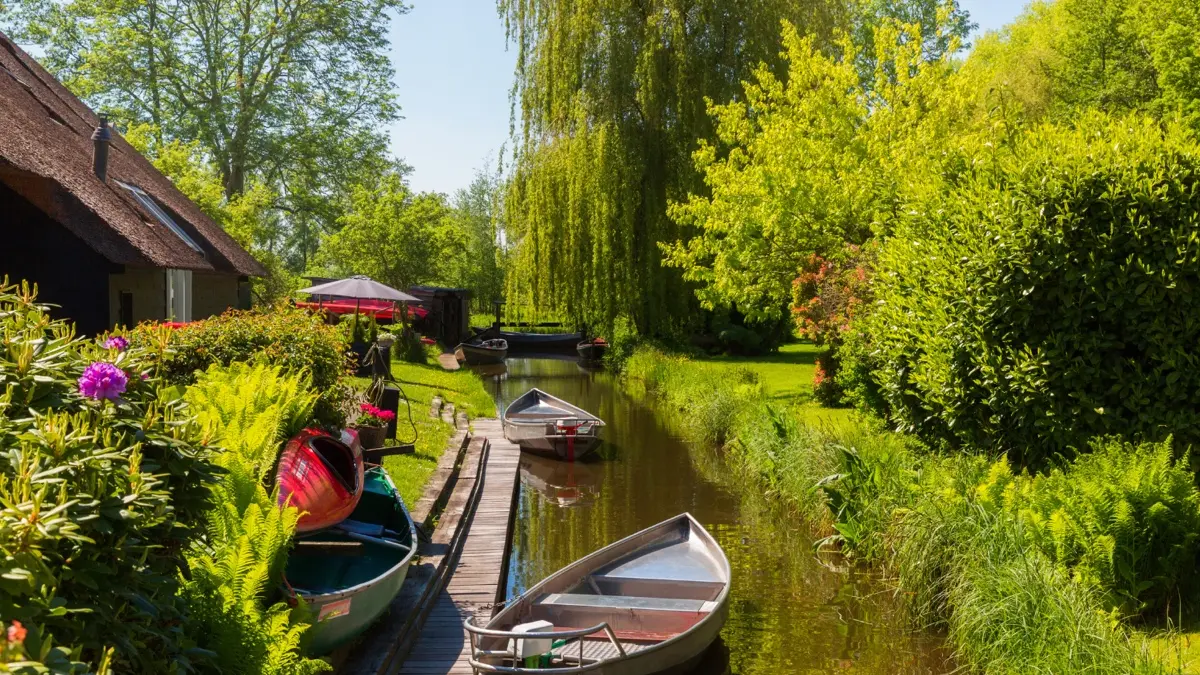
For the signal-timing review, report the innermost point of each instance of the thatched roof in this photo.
(46, 156)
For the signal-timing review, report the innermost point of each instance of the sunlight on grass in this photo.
(420, 383)
(1179, 653)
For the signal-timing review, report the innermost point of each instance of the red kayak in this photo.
(322, 476)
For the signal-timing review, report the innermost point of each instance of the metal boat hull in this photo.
(349, 593)
(549, 426)
(661, 594)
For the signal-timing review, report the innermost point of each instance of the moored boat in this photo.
(547, 425)
(650, 603)
(533, 342)
(348, 575)
(482, 353)
(592, 350)
(321, 476)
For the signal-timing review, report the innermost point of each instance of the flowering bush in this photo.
(117, 343)
(101, 488)
(282, 336)
(826, 388)
(371, 416)
(103, 381)
(829, 293)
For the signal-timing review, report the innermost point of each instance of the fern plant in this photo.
(1124, 518)
(248, 409)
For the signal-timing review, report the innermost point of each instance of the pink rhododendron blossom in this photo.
(103, 381)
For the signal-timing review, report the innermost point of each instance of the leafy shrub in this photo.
(283, 336)
(1050, 297)
(98, 497)
(248, 410)
(1124, 519)
(826, 388)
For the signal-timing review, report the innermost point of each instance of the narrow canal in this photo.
(789, 612)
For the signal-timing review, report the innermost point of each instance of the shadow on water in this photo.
(789, 613)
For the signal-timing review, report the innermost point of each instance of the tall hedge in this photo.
(295, 339)
(1049, 297)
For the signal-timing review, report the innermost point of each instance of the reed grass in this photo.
(963, 567)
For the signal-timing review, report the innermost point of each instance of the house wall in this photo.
(213, 294)
(68, 273)
(149, 288)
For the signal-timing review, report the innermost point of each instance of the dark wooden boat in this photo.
(322, 476)
(650, 603)
(547, 425)
(534, 342)
(349, 574)
(486, 352)
(592, 350)
(563, 484)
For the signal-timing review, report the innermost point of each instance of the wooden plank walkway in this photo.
(477, 580)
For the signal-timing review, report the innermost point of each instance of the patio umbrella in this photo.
(360, 288)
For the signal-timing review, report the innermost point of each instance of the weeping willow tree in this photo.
(611, 97)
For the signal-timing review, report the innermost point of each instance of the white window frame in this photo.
(179, 295)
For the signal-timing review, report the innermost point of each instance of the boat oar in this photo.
(368, 539)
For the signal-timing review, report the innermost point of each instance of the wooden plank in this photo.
(478, 573)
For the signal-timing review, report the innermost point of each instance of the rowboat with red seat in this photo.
(650, 603)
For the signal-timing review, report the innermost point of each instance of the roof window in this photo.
(157, 211)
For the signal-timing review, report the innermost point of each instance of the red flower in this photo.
(16, 632)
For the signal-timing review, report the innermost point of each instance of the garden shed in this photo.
(449, 317)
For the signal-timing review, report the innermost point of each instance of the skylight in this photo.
(152, 206)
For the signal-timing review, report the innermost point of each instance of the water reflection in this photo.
(561, 483)
(789, 613)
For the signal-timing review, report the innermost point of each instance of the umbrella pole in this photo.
(357, 305)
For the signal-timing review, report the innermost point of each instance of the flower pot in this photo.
(371, 437)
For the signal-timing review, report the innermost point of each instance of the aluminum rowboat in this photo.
(547, 425)
(650, 603)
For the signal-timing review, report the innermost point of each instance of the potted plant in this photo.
(372, 425)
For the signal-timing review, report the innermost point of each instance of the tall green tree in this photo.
(396, 237)
(612, 100)
(291, 93)
(479, 211)
(811, 160)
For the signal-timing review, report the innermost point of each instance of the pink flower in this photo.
(385, 415)
(103, 381)
(16, 632)
(116, 342)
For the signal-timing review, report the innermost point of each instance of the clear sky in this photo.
(454, 71)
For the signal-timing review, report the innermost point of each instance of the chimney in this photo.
(100, 140)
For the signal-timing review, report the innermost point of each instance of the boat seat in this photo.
(586, 601)
(657, 588)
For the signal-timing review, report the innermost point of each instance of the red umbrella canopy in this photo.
(361, 288)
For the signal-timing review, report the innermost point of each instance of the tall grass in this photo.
(999, 571)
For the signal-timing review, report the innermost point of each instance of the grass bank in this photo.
(420, 383)
(1024, 574)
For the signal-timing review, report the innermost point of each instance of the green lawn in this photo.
(420, 384)
(787, 377)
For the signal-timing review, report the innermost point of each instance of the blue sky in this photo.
(454, 71)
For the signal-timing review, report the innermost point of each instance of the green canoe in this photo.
(349, 574)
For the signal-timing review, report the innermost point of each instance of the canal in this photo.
(790, 611)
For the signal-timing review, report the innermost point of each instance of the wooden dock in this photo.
(479, 572)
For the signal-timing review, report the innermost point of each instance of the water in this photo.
(790, 612)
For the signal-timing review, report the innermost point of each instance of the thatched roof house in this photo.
(103, 233)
